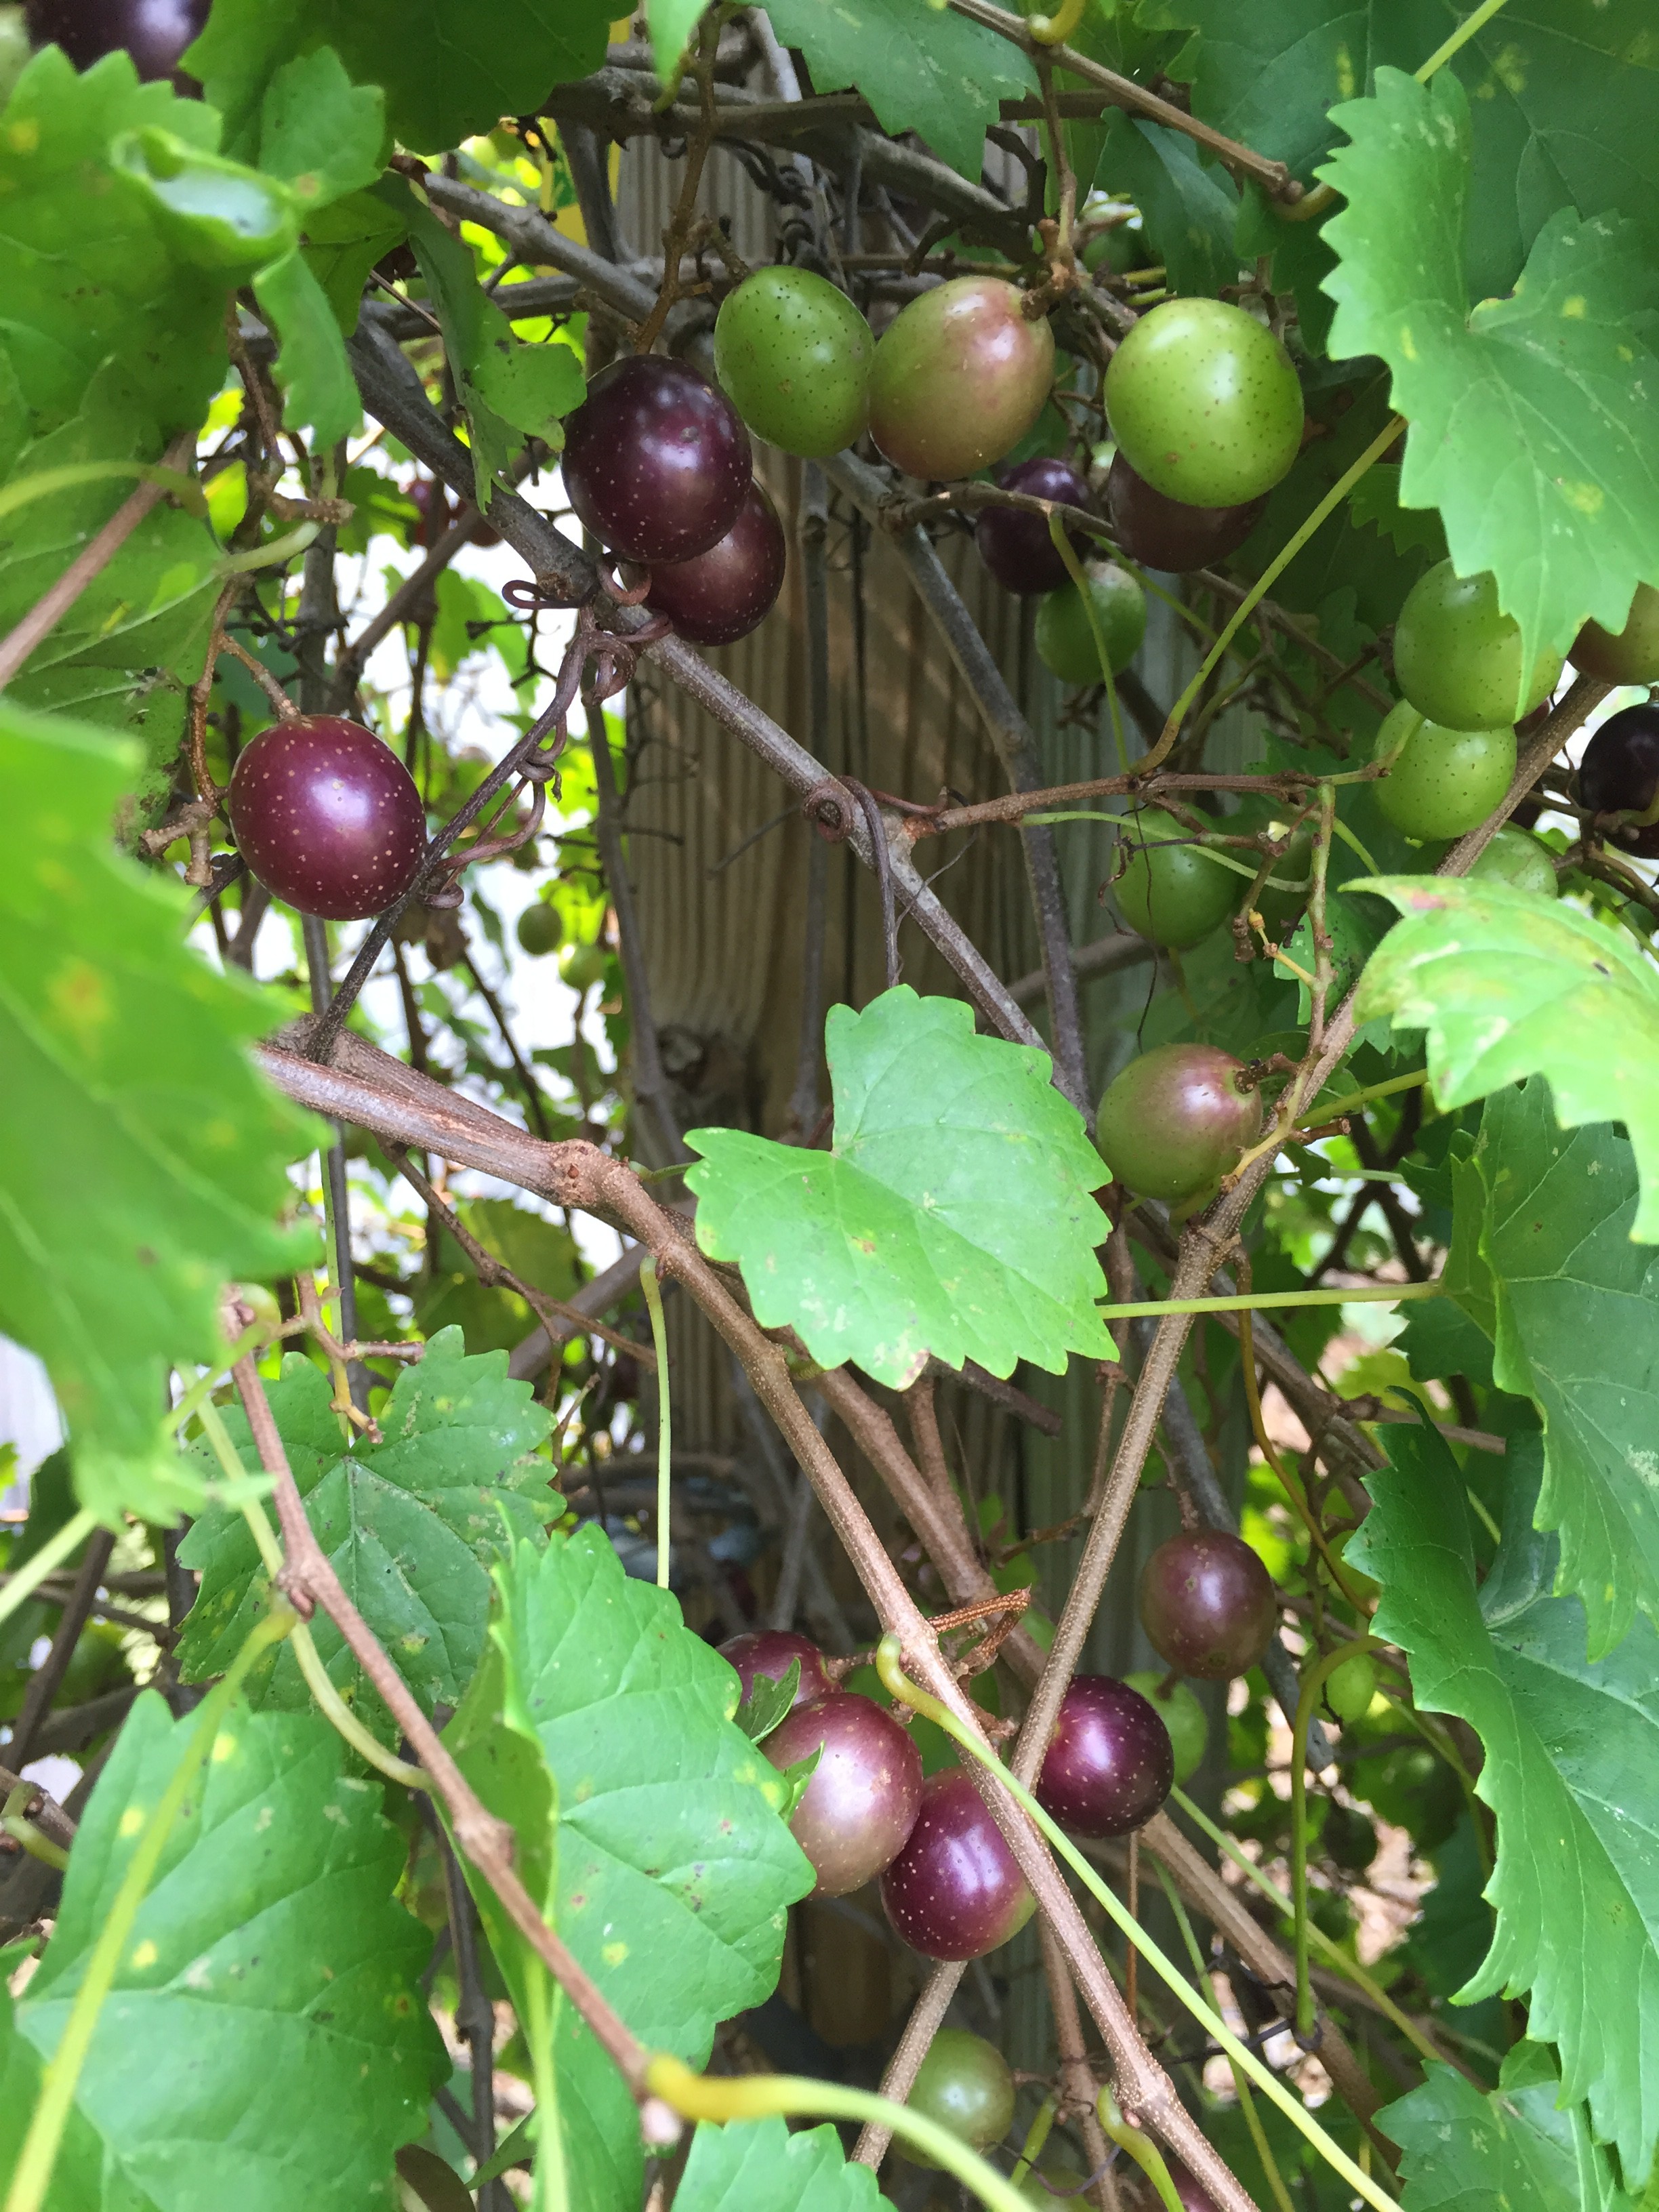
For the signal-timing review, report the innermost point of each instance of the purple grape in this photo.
(956, 1890)
(771, 1651)
(155, 32)
(865, 1793)
(327, 817)
(1619, 772)
(1207, 1604)
(1110, 1764)
(656, 462)
(1015, 546)
(719, 596)
(1166, 533)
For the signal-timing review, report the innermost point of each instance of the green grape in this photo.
(585, 966)
(793, 355)
(1457, 657)
(1630, 657)
(1444, 781)
(1278, 902)
(1172, 892)
(963, 2083)
(1181, 1713)
(539, 929)
(1516, 857)
(960, 376)
(1204, 403)
(1350, 1687)
(1065, 638)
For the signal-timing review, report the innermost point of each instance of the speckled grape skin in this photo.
(1619, 771)
(1207, 1604)
(1168, 533)
(1444, 781)
(719, 596)
(1175, 1120)
(865, 1793)
(155, 32)
(955, 1890)
(327, 817)
(1015, 545)
(770, 1651)
(1169, 892)
(1629, 656)
(793, 354)
(963, 2083)
(960, 377)
(656, 462)
(1204, 403)
(1110, 1764)
(1065, 638)
(1516, 857)
(1457, 658)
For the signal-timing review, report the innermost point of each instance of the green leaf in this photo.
(312, 365)
(1190, 211)
(131, 1127)
(920, 68)
(1534, 420)
(758, 2165)
(1375, 500)
(953, 1216)
(268, 1999)
(216, 215)
(531, 386)
(342, 244)
(768, 1702)
(1511, 2151)
(412, 1525)
(1507, 985)
(448, 71)
(672, 23)
(1572, 1773)
(319, 132)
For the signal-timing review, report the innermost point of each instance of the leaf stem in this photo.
(1140, 2147)
(1265, 582)
(890, 1667)
(25, 1579)
(1270, 1301)
(1313, 1681)
(62, 2073)
(1465, 30)
(649, 1285)
(1332, 1109)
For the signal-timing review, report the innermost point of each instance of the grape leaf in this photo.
(141, 1159)
(1511, 2151)
(448, 69)
(672, 22)
(1190, 211)
(1534, 420)
(267, 2008)
(313, 367)
(1572, 1773)
(1375, 500)
(319, 132)
(920, 69)
(758, 2165)
(1507, 984)
(412, 1525)
(952, 1216)
(342, 243)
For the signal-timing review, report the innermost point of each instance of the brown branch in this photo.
(47, 1814)
(48, 1677)
(937, 822)
(1078, 2088)
(926, 2017)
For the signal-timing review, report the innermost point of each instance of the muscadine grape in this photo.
(1619, 771)
(154, 33)
(1350, 1687)
(1628, 656)
(1171, 891)
(771, 1652)
(584, 965)
(327, 817)
(1065, 638)
(1443, 781)
(1514, 858)
(1193, 2195)
(1168, 533)
(960, 376)
(963, 2084)
(539, 929)
(656, 462)
(1175, 1120)
(719, 596)
(1204, 403)
(1282, 897)
(865, 1793)
(1457, 657)
(793, 354)
(1110, 1764)
(1207, 1604)
(955, 1890)
(1180, 1714)
(1015, 545)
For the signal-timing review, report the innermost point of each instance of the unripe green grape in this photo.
(539, 929)
(1064, 637)
(964, 2084)
(960, 376)
(793, 356)
(1171, 891)
(1181, 1713)
(1443, 781)
(585, 966)
(1174, 1121)
(1515, 857)
(1458, 658)
(1630, 656)
(1278, 902)
(1350, 1687)
(1204, 404)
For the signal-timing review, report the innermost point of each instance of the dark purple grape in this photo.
(155, 32)
(770, 1651)
(719, 596)
(955, 1890)
(864, 1795)
(1207, 1604)
(1166, 533)
(1110, 1764)
(1619, 772)
(327, 817)
(1193, 2195)
(1016, 546)
(656, 461)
